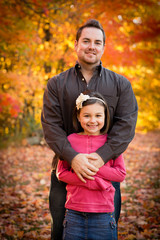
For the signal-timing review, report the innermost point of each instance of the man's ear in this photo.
(104, 48)
(75, 44)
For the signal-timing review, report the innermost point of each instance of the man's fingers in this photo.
(88, 176)
(83, 168)
(88, 172)
(92, 157)
(92, 169)
(81, 178)
(97, 161)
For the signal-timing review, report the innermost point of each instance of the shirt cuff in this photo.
(105, 153)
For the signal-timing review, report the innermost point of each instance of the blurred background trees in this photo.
(37, 42)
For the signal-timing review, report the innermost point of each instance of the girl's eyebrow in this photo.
(95, 113)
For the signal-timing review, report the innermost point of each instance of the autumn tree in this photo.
(37, 42)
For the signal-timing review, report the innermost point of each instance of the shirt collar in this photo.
(78, 67)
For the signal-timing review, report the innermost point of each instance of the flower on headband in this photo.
(82, 98)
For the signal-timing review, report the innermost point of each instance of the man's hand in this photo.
(83, 167)
(95, 160)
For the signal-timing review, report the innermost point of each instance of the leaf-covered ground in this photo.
(24, 187)
(140, 216)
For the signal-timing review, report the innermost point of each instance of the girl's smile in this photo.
(91, 118)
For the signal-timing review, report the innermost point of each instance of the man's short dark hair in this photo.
(91, 23)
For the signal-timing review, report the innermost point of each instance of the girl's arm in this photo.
(65, 174)
(116, 173)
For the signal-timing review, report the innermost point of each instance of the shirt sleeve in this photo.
(65, 174)
(116, 172)
(124, 123)
(52, 123)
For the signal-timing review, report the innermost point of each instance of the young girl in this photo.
(90, 205)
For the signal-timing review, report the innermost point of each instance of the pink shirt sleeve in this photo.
(116, 172)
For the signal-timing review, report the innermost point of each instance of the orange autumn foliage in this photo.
(37, 42)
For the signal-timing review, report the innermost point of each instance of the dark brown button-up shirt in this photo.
(59, 101)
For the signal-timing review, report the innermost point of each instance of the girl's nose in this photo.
(92, 119)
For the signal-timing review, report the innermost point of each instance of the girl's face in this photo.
(92, 118)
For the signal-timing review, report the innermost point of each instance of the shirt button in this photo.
(83, 79)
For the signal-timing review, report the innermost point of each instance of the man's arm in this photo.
(52, 123)
(124, 123)
(55, 135)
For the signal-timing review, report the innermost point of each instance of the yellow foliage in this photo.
(37, 46)
(119, 48)
(6, 130)
(41, 46)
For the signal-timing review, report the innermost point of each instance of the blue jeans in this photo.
(89, 226)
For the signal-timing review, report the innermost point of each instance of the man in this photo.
(59, 100)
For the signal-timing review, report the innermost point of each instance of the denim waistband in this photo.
(87, 214)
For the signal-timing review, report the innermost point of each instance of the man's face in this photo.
(90, 46)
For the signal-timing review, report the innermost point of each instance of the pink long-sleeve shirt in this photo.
(94, 195)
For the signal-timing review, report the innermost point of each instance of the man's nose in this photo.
(91, 45)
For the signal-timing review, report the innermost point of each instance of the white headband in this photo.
(82, 98)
